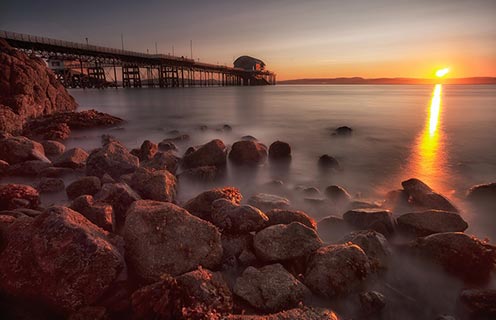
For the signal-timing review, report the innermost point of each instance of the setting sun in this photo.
(442, 72)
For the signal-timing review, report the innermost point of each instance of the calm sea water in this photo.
(444, 135)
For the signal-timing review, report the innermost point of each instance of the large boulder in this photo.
(279, 150)
(30, 168)
(421, 195)
(73, 158)
(379, 220)
(483, 194)
(28, 89)
(283, 216)
(53, 148)
(59, 258)
(13, 196)
(162, 161)
(248, 153)
(113, 159)
(424, 223)
(337, 270)
(266, 201)
(201, 205)
(374, 244)
(462, 255)
(100, 214)
(164, 238)
(478, 303)
(232, 218)
(19, 149)
(285, 242)
(212, 153)
(157, 185)
(86, 185)
(270, 288)
(333, 228)
(120, 196)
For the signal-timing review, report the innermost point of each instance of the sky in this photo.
(296, 39)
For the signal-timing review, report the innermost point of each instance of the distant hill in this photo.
(359, 80)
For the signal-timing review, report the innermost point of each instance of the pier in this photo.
(79, 65)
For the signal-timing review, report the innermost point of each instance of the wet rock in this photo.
(462, 255)
(379, 220)
(204, 174)
(281, 216)
(421, 224)
(147, 150)
(50, 185)
(270, 288)
(483, 194)
(19, 149)
(478, 303)
(328, 162)
(280, 150)
(374, 244)
(13, 196)
(167, 146)
(100, 214)
(201, 205)
(248, 153)
(371, 303)
(343, 131)
(52, 148)
(303, 313)
(73, 158)
(337, 270)
(89, 185)
(120, 196)
(164, 238)
(210, 154)
(113, 159)
(266, 201)
(157, 185)
(58, 241)
(337, 194)
(28, 168)
(421, 195)
(162, 161)
(333, 228)
(28, 89)
(234, 218)
(285, 242)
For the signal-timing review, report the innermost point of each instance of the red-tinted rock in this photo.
(162, 161)
(266, 201)
(147, 150)
(421, 195)
(113, 159)
(14, 196)
(379, 220)
(157, 185)
(120, 196)
(424, 223)
(19, 149)
(89, 185)
(303, 313)
(53, 149)
(30, 168)
(73, 158)
(201, 205)
(50, 185)
(210, 154)
(280, 150)
(99, 213)
(248, 153)
(282, 216)
(232, 218)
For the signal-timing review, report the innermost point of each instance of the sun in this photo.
(442, 72)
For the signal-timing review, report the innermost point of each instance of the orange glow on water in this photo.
(434, 110)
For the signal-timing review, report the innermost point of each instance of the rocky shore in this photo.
(121, 245)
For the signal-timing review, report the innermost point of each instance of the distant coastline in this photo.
(359, 80)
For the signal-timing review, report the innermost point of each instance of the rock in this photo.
(281, 216)
(333, 228)
(201, 205)
(285, 242)
(50, 131)
(374, 244)
(164, 238)
(337, 194)
(60, 259)
(50, 185)
(89, 185)
(28, 89)
(337, 270)
(279, 150)
(19, 149)
(343, 131)
(363, 205)
(371, 303)
(483, 194)
(4, 167)
(28, 168)
(107, 179)
(162, 161)
(13, 196)
(120, 196)
(55, 172)
(227, 128)
(303, 313)
(328, 162)
(310, 191)
(100, 214)
(113, 159)
(167, 146)
(421, 224)
(478, 303)
(466, 257)
(421, 195)
(204, 174)
(73, 158)
(160, 300)
(396, 199)
(266, 201)
(147, 150)
(233, 218)
(5, 222)
(379, 220)
(234, 244)
(248, 153)
(210, 154)
(157, 185)
(52, 148)
(90, 313)
(270, 288)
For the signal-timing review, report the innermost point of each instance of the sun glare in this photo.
(442, 72)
